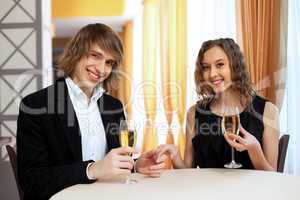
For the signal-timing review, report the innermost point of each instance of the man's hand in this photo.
(115, 163)
(150, 165)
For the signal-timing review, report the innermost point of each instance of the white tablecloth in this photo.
(200, 184)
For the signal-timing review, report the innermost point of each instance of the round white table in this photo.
(200, 184)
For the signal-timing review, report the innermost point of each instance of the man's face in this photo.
(93, 69)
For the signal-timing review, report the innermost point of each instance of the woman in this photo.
(224, 88)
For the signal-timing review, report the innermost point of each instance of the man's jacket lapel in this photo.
(67, 119)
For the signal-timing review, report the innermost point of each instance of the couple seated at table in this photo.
(67, 133)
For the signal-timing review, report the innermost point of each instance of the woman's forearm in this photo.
(258, 159)
(178, 163)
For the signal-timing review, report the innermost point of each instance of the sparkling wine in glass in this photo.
(127, 138)
(230, 125)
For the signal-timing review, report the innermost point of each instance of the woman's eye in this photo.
(205, 68)
(220, 64)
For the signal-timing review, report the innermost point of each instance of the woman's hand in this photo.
(173, 152)
(150, 165)
(243, 141)
(168, 149)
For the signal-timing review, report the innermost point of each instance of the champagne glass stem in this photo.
(232, 155)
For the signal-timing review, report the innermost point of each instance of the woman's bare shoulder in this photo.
(190, 118)
(191, 112)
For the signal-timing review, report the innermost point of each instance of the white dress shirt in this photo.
(93, 137)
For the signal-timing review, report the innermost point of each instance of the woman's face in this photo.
(216, 69)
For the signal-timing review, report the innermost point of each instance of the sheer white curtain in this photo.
(290, 112)
(207, 19)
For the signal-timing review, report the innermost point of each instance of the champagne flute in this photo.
(230, 125)
(127, 138)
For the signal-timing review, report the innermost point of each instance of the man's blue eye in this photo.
(110, 62)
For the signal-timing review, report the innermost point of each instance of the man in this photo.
(67, 133)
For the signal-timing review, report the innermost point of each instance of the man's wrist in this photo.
(89, 173)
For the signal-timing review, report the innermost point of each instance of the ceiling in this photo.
(67, 18)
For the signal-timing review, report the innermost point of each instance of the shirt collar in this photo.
(97, 92)
(75, 90)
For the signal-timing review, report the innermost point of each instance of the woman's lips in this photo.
(217, 82)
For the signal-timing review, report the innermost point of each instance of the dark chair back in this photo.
(13, 161)
(282, 149)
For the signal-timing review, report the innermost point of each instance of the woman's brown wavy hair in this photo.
(239, 72)
(80, 45)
